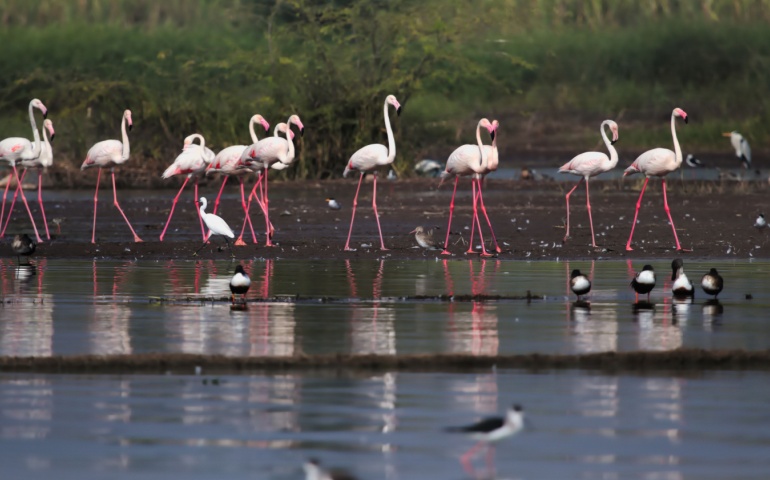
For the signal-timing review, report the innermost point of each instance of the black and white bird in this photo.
(644, 282)
(682, 286)
(741, 146)
(487, 432)
(712, 283)
(333, 204)
(239, 284)
(425, 238)
(693, 162)
(760, 222)
(23, 246)
(579, 283)
(216, 226)
(429, 168)
(314, 471)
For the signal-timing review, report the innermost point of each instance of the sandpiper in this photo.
(644, 282)
(682, 286)
(425, 238)
(579, 283)
(712, 283)
(22, 245)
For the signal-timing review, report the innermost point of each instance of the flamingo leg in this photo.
(473, 222)
(96, 199)
(266, 203)
(239, 241)
(668, 212)
(198, 208)
(476, 222)
(590, 218)
(636, 214)
(566, 235)
(40, 200)
(117, 205)
(451, 210)
(484, 211)
(5, 194)
(221, 189)
(24, 199)
(261, 206)
(376, 215)
(173, 206)
(13, 203)
(353, 216)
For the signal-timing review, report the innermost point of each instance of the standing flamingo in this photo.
(367, 159)
(464, 161)
(591, 164)
(658, 162)
(44, 160)
(110, 153)
(488, 166)
(15, 149)
(192, 162)
(267, 152)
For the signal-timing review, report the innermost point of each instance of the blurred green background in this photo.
(549, 70)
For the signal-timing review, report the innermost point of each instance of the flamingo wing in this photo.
(465, 160)
(367, 158)
(103, 153)
(11, 149)
(269, 150)
(657, 162)
(226, 160)
(586, 164)
(191, 160)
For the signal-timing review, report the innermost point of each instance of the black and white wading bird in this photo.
(23, 246)
(644, 282)
(314, 471)
(712, 283)
(693, 162)
(239, 284)
(216, 226)
(487, 432)
(425, 238)
(682, 286)
(760, 222)
(579, 283)
(741, 146)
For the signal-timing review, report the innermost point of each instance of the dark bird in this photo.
(644, 282)
(314, 471)
(23, 246)
(693, 162)
(712, 283)
(682, 286)
(425, 238)
(239, 284)
(579, 283)
(488, 431)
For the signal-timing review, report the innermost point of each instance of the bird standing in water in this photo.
(741, 146)
(216, 226)
(239, 284)
(712, 283)
(579, 283)
(644, 282)
(760, 222)
(22, 245)
(425, 238)
(682, 286)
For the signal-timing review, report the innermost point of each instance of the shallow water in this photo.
(386, 426)
(107, 307)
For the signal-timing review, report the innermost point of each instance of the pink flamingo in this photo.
(591, 164)
(44, 160)
(464, 161)
(15, 149)
(367, 159)
(265, 153)
(489, 166)
(658, 162)
(110, 153)
(192, 163)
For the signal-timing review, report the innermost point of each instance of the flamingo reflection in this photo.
(474, 332)
(372, 328)
(109, 326)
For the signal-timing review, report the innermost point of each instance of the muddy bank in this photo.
(713, 220)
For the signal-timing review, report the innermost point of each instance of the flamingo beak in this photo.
(302, 131)
(492, 134)
(266, 125)
(686, 119)
(398, 110)
(45, 113)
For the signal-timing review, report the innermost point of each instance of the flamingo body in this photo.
(107, 153)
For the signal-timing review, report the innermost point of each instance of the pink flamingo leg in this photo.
(265, 202)
(5, 194)
(26, 205)
(115, 200)
(484, 211)
(96, 199)
(376, 215)
(636, 214)
(260, 202)
(566, 236)
(198, 208)
(173, 206)
(216, 202)
(668, 212)
(40, 200)
(240, 241)
(449, 226)
(352, 217)
(467, 457)
(473, 223)
(590, 218)
(477, 222)
(13, 203)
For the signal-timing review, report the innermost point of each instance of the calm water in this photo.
(103, 307)
(382, 427)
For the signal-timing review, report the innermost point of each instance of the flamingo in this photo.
(591, 164)
(658, 162)
(265, 153)
(367, 159)
(192, 162)
(468, 160)
(216, 226)
(110, 153)
(44, 160)
(15, 149)
(487, 167)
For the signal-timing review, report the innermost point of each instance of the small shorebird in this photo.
(579, 283)
(712, 283)
(741, 146)
(314, 471)
(760, 222)
(682, 286)
(216, 226)
(22, 245)
(644, 282)
(425, 238)
(239, 284)
(487, 432)
(693, 162)
(333, 204)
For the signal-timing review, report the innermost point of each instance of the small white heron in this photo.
(216, 226)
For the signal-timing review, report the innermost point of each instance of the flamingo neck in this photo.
(290, 153)
(610, 147)
(126, 148)
(391, 140)
(253, 134)
(677, 148)
(35, 134)
(483, 162)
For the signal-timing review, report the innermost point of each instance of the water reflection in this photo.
(108, 329)
(26, 328)
(475, 331)
(372, 326)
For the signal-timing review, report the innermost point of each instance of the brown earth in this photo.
(713, 220)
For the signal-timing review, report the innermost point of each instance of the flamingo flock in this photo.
(277, 152)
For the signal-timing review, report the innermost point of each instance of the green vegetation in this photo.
(207, 66)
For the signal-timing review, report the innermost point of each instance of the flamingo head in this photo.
(296, 121)
(495, 126)
(48, 125)
(261, 120)
(392, 100)
(490, 126)
(127, 116)
(284, 128)
(614, 129)
(678, 112)
(39, 105)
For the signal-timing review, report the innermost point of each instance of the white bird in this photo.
(760, 222)
(239, 284)
(741, 146)
(333, 204)
(693, 162)
(367, 159)
(682, 287)
(216, 226)
(579, 283)
(429, 168)
(314, 471)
